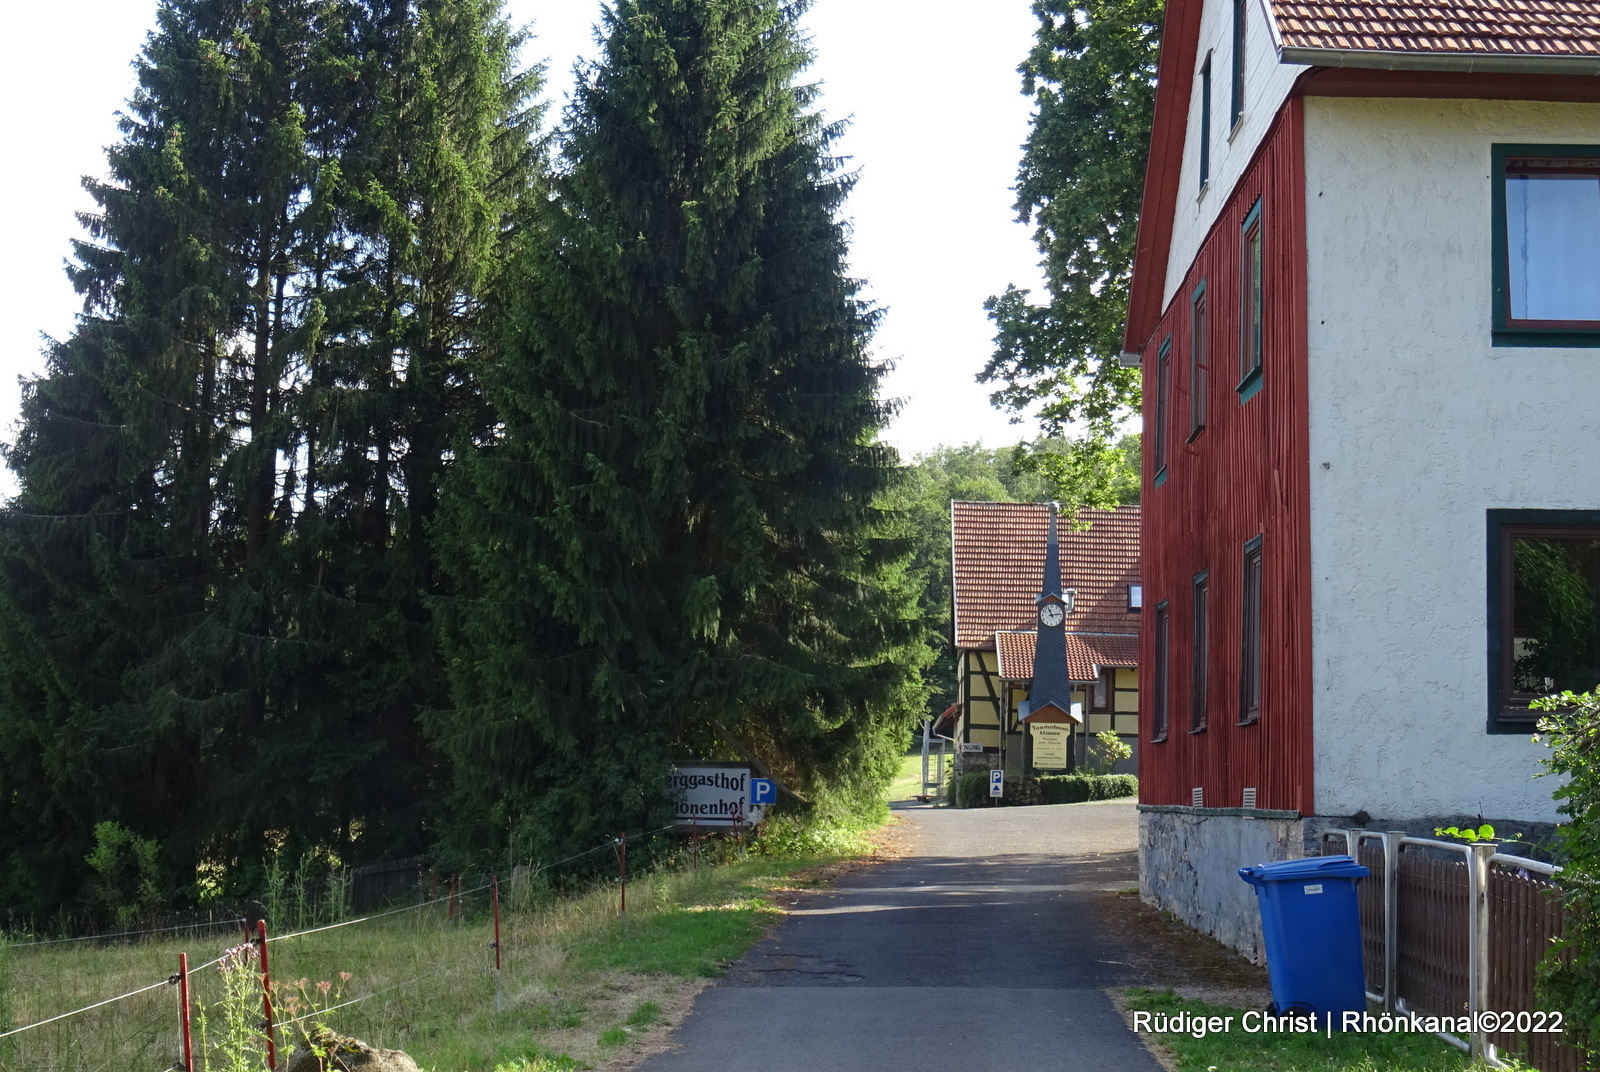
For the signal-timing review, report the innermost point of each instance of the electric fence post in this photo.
(494, 893)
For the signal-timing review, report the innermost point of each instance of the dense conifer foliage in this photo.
(674, 543)
(215, 576)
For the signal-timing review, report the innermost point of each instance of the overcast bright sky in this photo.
(936, 125)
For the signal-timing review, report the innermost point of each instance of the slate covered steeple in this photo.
(1052, 686)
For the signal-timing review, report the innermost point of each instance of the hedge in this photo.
(971, 790)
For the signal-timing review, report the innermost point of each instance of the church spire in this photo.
(1052, 685)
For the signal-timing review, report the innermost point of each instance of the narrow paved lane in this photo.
(985, 949)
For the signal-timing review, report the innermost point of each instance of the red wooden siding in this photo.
(1245, 474)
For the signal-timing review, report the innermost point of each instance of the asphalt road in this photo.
(986, 949)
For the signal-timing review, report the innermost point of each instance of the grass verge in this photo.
(579, 986)
(1239, 1050)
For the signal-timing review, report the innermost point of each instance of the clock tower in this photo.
(1050, 698)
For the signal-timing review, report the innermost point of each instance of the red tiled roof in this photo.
(998, 556)
(1504, 28)
(1085, 653)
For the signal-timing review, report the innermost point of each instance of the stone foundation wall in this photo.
(1189, 860)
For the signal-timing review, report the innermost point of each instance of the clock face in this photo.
(1051, 614)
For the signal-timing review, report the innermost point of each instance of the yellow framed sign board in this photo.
(1050, 746)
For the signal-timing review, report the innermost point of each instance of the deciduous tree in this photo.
(1092, 76)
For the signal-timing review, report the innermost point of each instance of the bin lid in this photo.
(1310, 868)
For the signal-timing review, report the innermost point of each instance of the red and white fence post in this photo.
(494, 896)
(622, 865)
(266, 997)
(185, 1036)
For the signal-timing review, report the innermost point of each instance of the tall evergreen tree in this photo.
(285, 261)
(674, 545)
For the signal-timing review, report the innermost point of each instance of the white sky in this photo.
(937, 121)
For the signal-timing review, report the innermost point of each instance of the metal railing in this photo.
(1456, 931)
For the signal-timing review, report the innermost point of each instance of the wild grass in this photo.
(577, 981)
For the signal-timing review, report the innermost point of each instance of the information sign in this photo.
(1050, 746)
(718, 794)
(997, 783)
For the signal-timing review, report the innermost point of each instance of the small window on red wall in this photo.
(1251, 297)
(1158, 707)
(1163, 389)
(1250, 647)
(1199, 359)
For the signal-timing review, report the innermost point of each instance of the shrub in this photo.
(972, 789)
(1107, 751)
(1077, 788)
(127, 870)
(1570, 975)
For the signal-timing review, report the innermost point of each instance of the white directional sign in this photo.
(719, 794)
(997, 783)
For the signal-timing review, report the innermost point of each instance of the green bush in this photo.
(972, 789)
(1077, 788)
(1569, 977)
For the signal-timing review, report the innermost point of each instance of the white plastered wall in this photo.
(1266, 85)
(1418, 426)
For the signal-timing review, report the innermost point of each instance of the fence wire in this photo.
(135, 1028)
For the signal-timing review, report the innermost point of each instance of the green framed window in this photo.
(1199, 683)
(1158, 705)
(1205, 122)
(1163, 390)
(1237, 104)
(1543, 610)
(1199, 359)
(1252, 297)
(1250, 646)
(1546, 228)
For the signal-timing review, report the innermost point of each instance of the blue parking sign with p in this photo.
(763, 791)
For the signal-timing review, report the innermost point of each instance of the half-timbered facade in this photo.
(998, 552)
(1367, 309)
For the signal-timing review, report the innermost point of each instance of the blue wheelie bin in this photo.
(1313, 935)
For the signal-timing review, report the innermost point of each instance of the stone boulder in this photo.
(320, 1050)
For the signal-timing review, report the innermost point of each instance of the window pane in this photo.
(1250, 294)
(1199, 364)
(1250, 656)
(1555, 633)
(1163, 387)
(1552, 232)
(1198, 685)
(1158, 720)
(1100, 692)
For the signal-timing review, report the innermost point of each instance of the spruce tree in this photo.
(218, 632)
(674, 546)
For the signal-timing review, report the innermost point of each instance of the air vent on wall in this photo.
(1197, 797)
(1249, 800)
